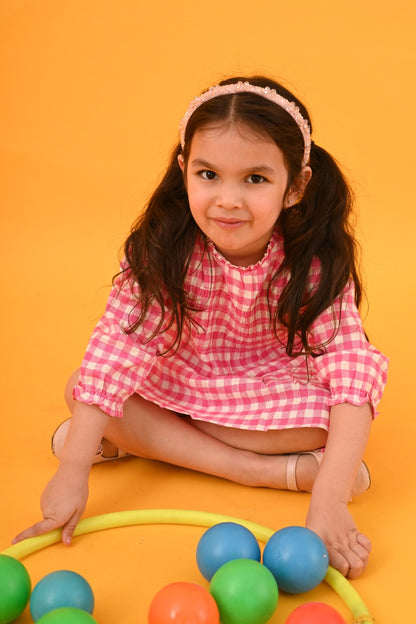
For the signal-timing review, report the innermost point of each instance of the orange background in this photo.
(92, 92)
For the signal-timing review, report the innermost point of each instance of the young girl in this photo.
(231, 343)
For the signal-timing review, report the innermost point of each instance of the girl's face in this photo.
(237, 187)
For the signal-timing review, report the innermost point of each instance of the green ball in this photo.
(245, 592)
(66, 615)
(15, 587)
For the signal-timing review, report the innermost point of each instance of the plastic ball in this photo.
(315, 613)
(67, 615)
(298, 559)
(62, 588)
(183, 603)
(15, 588)
(245, 592)
(224, 542)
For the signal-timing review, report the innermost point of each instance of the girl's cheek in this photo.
(197, 195)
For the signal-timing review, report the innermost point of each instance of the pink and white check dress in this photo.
(230, 368)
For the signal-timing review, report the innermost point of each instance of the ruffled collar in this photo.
(274, 246)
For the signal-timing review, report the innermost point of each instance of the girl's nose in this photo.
(229, 196)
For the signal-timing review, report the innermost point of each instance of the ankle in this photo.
(267, 471)
(258, 470)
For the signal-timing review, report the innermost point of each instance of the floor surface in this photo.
(85, 133)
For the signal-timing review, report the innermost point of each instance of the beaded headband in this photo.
(265, 92)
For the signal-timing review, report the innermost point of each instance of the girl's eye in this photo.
(207, 174)
(255, 178)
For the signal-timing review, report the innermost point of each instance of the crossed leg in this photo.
(251, 458)
(247, 457)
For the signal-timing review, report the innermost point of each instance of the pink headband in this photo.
(265, 92)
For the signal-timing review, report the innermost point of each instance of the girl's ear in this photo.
(181, 162)
(296, 191)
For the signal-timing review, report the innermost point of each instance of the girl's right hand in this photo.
(62, 504)
(65, 496)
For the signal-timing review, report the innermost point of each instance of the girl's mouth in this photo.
(228, 224)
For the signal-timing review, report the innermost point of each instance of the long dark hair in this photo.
(318, 227)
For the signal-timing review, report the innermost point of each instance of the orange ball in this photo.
(183, 603)
(315, 613)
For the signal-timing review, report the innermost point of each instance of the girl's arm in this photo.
(64, 499)
(328, 514)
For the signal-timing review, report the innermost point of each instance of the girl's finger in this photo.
(364, 541)
(338, 561)
(48, 524)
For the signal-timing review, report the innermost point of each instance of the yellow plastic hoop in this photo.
(339, 584)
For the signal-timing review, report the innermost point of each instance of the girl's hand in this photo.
(65, 496)
(347, 548)
(62, 503)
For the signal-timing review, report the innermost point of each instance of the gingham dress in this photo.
(230, 368)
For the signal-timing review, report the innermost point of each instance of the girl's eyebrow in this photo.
(202, 163)
(260, 167)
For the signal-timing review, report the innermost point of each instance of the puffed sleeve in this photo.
(353, 369)
(115, 363)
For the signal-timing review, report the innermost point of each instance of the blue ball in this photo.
(224, 542)
(62, 588)
(297, 558)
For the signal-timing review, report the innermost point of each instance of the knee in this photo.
(72, 382)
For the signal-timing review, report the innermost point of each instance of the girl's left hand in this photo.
(348, 549)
